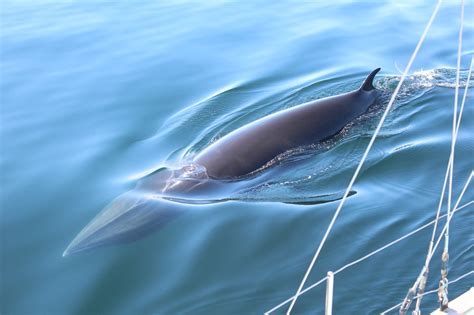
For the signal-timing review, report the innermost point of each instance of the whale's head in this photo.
(151, 205)
(129, 217)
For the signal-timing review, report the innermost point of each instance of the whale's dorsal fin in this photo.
(367, 85)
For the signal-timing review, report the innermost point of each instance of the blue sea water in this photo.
(95, 94)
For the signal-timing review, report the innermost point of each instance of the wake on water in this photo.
(306, 175)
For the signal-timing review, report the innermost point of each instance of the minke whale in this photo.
(218, 169)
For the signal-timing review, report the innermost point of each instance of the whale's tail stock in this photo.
(368, 83)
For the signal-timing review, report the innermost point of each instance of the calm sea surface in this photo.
(95, 94)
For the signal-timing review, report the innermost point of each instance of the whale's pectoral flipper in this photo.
(368, 83)
(129, 217)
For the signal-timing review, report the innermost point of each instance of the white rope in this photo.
(440, 203)
(465, 94)
(369, 146)
(429, 292)
(453, 138)
(441, 199)
(449, 170)
(369, 255)
(451, 214)
(430, 254)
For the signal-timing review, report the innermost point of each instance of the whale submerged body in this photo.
(219, 167)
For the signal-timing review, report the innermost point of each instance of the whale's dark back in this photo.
(252, 146)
